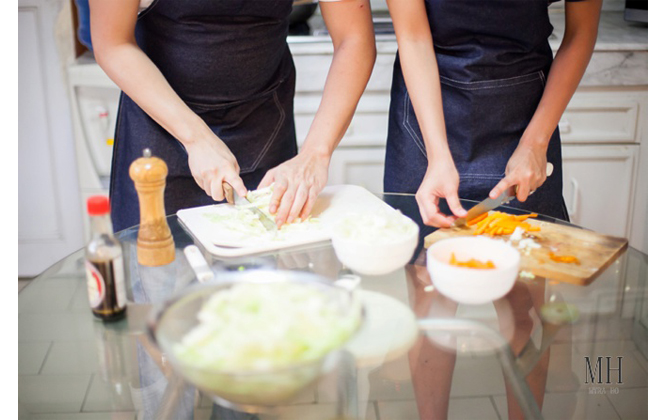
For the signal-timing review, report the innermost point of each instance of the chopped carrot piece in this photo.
(499, 223)
(478, 219)
(564, 258)
(471, 263)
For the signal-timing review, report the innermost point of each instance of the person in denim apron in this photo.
(208, 86)
(475, 101)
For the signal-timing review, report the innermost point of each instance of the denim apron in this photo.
(493, 58)
(230, 63)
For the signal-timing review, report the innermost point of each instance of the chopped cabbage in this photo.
(242, 225)
(382, 226)
(256, 327)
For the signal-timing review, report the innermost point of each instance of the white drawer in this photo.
(601, 117)
(364, 130)
(312, 70)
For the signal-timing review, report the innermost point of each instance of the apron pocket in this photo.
(496, 83)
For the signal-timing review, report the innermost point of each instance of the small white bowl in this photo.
(375, 255)
(472, 285)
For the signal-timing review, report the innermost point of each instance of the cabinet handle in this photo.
(564, 126)
(575, 195)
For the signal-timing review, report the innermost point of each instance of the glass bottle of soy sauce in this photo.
(104, 264)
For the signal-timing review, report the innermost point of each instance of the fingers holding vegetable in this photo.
(297, 183)
(440, 181)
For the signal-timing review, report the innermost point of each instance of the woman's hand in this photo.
(441, 180)
(298, 182)
(212, 163)
(527, 169)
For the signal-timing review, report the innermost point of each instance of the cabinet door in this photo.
(598, 184)
(49, 214)
(362, 166)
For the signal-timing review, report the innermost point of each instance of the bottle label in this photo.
(96, 285)
(106, 287)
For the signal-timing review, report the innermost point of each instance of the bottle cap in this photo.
(97, 205)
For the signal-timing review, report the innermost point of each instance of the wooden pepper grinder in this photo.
(155, 245)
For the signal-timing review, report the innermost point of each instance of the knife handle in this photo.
(550, 170)
(228, 192)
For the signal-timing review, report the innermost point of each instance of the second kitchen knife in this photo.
(490, 204)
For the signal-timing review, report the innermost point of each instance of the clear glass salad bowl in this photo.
(255, 377)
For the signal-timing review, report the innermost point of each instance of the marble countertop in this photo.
(614, 34)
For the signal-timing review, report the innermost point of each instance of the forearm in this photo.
(419, 69)
(566, 72)
(349, 73)
(143, 82)
(421, 75)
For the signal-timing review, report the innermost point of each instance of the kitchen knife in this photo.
(234, 198)
(490, 204)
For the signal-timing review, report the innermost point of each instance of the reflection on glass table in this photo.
(524, 353)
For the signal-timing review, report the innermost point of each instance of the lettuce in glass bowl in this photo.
(256, 338)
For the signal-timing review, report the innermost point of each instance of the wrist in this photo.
(438, 153)
(192, 131)
(318, 152)
(534, 138)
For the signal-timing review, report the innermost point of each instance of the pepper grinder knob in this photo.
(155, 245)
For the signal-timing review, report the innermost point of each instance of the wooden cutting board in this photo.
(594, 251)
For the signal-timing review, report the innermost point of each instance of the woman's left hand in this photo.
(527, 169)
(298, 182)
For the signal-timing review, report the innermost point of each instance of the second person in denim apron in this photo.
(475, 101)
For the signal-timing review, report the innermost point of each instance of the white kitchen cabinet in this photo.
(362, 166)
(601, 117)
(49, 225)
(598, 186)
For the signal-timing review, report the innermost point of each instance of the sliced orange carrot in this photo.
(564, 258)
(478, 219)
(471, 263)
(498, 223)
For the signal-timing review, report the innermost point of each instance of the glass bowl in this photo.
(247, 388)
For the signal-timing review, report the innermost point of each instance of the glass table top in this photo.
(496, 360)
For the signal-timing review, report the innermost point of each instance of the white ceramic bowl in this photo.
(471, 285)
(376, 255)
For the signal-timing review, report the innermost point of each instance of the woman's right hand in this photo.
(441, 180)
(212, 163)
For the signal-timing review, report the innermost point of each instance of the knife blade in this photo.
(234, 198)
(490, 204)
(487, 205)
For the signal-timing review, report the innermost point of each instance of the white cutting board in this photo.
(333, 202)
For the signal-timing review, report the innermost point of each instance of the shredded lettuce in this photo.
(242, 225)
(256, 327)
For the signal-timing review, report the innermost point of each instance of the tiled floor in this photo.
(380, 398)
